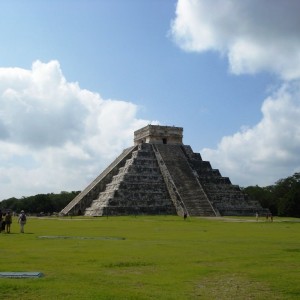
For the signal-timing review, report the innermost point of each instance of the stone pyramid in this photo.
(161, 175)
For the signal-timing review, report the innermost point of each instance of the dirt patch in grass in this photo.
(126, 264)
(81, 237)
(233, 287)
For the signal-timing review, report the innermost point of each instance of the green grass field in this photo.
(159, 257)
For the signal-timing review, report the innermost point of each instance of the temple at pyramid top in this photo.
(156, 134)
(161, 175)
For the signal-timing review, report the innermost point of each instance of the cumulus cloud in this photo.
(254, 35)
(257, 155)
(54, 135)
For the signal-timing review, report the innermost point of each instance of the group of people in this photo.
(6, 220)
(269, 216)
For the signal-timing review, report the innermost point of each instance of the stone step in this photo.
(138, 183)
(187, 185)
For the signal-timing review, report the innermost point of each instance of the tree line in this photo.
(41, 203)
(282, 199)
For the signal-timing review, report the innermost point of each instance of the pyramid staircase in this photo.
(137, 188)
(78, 205)
(227, 198)
(192, 194)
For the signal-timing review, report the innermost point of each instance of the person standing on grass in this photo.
(8, 221)
(0, 220)
(22, 221)
(185, 215)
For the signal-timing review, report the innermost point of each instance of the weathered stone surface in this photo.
(138, 188)
(153, 134)
(160, 175)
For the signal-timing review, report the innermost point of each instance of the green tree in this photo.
(287, 193)
(47, 203)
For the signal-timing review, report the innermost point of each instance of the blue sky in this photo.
(78, 77)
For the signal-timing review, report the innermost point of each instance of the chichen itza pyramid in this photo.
(161, 175)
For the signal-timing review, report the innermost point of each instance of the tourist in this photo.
(185, 215)
(22, 221)
(267, 217)
(8, 221)
(2, 225)
(256, 215)
(0, 220)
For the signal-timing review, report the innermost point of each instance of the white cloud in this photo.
(54, 135)
(255, 35)
(258, 155)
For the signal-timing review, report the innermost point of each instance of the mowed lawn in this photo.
(153, 257)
